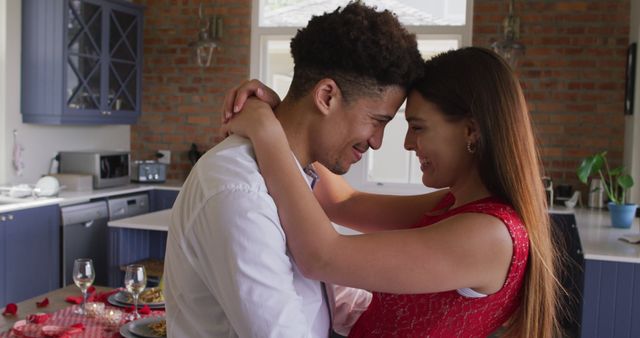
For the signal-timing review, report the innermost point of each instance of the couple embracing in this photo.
(251, 235)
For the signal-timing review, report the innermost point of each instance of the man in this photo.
(227, 269)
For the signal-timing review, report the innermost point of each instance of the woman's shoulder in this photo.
(493, 206)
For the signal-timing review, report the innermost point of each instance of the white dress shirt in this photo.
(227, 269)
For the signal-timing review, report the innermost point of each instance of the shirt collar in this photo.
(309, 172)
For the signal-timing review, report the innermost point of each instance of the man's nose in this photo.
(375, 141)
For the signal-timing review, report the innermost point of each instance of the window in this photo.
(3, 102)
(439, 25)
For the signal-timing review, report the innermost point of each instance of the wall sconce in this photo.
(508, 46)
(208, 38)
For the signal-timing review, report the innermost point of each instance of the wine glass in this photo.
(135, 280)
(83, 276)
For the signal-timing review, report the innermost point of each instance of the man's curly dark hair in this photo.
(361, 49)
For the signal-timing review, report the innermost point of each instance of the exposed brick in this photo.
(572, 76)
(181, 100)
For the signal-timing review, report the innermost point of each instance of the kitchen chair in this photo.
(567, 239)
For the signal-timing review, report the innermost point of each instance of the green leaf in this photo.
(625, 181)
(615, 181)
(590, 166)
(617, 171)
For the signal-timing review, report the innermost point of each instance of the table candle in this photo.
(94, 309)
(112, 318)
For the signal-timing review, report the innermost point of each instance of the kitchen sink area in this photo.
(9, 200)
(8, 203)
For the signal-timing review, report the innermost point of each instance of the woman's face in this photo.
(440, 144)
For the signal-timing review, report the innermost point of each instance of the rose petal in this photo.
(78, 326)
(145, 310)
(10, 309)
(74, 300)
(43, 303)
(91, 289)
(38, 318)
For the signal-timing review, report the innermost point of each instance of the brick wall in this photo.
(181, 101)
(573, 75)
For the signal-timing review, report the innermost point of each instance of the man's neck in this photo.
(295, 120)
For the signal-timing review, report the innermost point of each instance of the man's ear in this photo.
(326, 95)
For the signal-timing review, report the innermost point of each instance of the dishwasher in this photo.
(85, 235)
(128, 206)
(130, 241)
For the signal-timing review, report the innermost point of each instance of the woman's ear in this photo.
(326, 95)
(473, 132)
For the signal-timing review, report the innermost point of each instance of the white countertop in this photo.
(75, 197)
(159, 221)
(600, 241)
(66, 198)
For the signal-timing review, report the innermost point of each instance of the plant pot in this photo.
(622, 214)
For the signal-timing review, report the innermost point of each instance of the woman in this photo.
(469, 258)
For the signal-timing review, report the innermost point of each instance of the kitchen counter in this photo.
(30, 203)
(600, 241)
(65, 197)
(158, 221)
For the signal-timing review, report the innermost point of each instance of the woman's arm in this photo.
(367, 212)
(468, 250)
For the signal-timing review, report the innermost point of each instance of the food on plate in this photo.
(159, 328)
(148, 296)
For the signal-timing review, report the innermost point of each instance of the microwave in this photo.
(108, 168)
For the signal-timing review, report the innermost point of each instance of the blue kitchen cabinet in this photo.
(611, 305)
(30, 248)
(162, 199)
(132, 245)
(3, 274)
(81, 61)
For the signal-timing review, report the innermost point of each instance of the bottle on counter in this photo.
(596, 193)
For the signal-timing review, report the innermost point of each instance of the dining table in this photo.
(60, 312)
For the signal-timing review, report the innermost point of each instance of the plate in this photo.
(123, 297)
(113, 301)
(140, 328)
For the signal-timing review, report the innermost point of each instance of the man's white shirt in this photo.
(227, 269)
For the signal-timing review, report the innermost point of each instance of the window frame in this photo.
(358, 174)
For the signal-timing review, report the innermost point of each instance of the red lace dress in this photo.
(449, 314)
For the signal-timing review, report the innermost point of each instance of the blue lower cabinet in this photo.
(162, 199)
(611, 306)
(30, 245)
(3, 273)
(132, 245)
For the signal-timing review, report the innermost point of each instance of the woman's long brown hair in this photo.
(476, 83)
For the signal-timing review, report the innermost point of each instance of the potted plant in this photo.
(616, 183)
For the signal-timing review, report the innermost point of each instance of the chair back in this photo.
(565, 233)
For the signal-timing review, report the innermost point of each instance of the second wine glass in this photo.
(83, 276)
(135, 280)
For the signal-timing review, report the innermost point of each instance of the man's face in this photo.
(352, 128)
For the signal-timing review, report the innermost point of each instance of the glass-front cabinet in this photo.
(96, 58)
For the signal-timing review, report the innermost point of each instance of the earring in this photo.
(471, 147)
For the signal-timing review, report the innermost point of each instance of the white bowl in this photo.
(47, 186)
